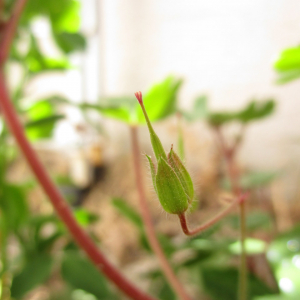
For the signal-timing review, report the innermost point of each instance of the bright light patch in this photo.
(293, 245)
(296, 261)
(286, 285)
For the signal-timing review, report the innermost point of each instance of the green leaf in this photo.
(84, 217)
(289, 59)
(160, 100)
(80, 273)
(127, 211)
(219, 118)
(223, 284)
(35, 272)
(256, 110)
(42, 120)
(287, 76)
(13, 205)
(46, 121)
(253, 111)
(70, 42)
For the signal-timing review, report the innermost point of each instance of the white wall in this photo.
(222, 48)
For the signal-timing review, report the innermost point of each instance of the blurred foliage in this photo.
(287, 65)
(254, 110)
(160, 102)
(252, 180)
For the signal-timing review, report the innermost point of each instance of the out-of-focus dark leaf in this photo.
(256, 110)
(160, 100)
(35, 272)
(80, 273)
(128, 212)
(219, 118)
(44, 121)
(223, 284)
(13, 205)
(70, 42)
(132, 215)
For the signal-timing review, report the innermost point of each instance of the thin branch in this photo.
(60, 205)
(210, 222)
(233, 174)
(10, 30)
(150, 231)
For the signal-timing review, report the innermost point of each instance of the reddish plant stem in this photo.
(229, 154)
(60, 205)
(149, 227)
(210, 222)
(10, 29)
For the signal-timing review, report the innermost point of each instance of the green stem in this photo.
(243, 289)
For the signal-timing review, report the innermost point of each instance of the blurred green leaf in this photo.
(223, 284)
(63, 17)
(256, 110)
(70, 42)
(42, 120)
(287, 76)
(254, 221)
(289, 59)
(277, 297)
(252, 180)
(84, 217)
(199, 111)
(288, 65)
(13, 205)
(35, 272)
(252, 246)
(131, 214)
(80, 273)
(160, 100)
(253, 111)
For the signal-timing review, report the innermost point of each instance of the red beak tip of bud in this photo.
(139, 97)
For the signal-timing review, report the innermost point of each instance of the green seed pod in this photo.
(182, 174)
(153, 171)
(169, 189)
(171, 181)
(155, 141)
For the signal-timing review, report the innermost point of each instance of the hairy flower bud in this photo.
(171, 180)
